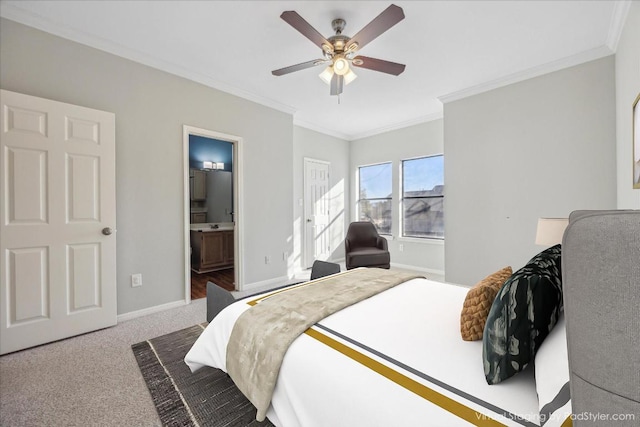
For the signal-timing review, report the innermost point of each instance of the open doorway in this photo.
(212, 206)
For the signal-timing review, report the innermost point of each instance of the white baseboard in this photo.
(150, 310)
(421, 269)
(264, 284)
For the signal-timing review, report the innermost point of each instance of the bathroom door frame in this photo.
(238, 204)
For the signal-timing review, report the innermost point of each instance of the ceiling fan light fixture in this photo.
(327, 48)
(339, 52)
(341, 66)
(326, 75)
(349, 77)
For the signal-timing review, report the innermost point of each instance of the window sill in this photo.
(422, 241)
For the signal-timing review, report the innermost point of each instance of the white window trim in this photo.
(422, 240)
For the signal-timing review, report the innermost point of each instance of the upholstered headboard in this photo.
(601, 281)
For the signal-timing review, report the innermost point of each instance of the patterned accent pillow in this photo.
(522, 315)
(478, 302)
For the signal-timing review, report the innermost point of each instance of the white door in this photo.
(316, 211)
(58, 250)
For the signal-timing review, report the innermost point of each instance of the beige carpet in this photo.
(90, 380)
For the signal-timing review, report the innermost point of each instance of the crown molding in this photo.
(549, 67)
(314, 127)
(395, 126)
(366, 134)
(618, 18)
(14, 13)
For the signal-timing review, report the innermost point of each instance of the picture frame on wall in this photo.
(635, 129)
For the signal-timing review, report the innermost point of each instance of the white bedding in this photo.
(412, 328)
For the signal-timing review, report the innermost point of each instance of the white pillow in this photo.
(552, 377)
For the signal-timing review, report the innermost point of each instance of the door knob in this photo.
(107, 231)
(308, 220)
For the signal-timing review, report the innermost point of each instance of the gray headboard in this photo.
(601, 281)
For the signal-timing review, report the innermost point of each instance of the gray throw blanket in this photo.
(261, 336)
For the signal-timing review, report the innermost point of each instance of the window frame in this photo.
(401, 211)
(389, 199)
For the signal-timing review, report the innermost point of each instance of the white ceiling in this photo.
(451, 49)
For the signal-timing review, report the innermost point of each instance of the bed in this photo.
(411, 332)
(397, 358)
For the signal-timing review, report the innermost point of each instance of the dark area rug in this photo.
(207, 398)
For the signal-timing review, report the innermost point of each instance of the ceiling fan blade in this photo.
(381, 23)
(298, 67)
(378, 65)
(298, 22)
(337, 84)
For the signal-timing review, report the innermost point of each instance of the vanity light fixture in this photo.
(212, 165)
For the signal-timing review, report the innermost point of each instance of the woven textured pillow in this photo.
(478, 303)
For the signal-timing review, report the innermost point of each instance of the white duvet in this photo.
(413, 332)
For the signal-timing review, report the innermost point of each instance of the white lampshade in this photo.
(341, 66)
(550, 231)
(349, 77)
(326, 75)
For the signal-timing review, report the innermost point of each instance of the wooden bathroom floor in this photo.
(222, 278)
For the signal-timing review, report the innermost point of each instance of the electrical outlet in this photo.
(401, 247)
(285, 255)
(136, 280)
(267, 259)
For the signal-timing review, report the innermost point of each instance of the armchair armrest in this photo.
(381, 243)
(347, 246)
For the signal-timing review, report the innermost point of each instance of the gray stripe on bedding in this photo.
(558, 402)
(467, 396)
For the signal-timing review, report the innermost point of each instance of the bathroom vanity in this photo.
(211, 247)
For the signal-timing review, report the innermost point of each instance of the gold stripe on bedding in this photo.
(444, 402)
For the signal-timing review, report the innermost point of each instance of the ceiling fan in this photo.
(339, 52)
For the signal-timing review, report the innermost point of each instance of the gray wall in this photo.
(627, 89)
(424, 139)
(539, 148)
(318, 146)
(151, 107)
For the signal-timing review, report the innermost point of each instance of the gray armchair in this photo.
(364, 247)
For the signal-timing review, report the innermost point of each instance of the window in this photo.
(423, 197)
(374, 203)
